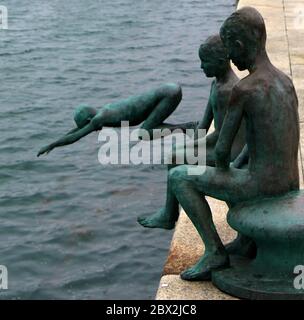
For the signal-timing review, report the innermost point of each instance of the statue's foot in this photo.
(157, 220)
(201, 271)
(242, 246)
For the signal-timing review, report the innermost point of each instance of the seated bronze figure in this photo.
(267, 100)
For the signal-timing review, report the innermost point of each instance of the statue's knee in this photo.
(173, 175)
(177, 175)
(171, 166)
(174, 90)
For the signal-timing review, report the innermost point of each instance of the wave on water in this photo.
(68, 223)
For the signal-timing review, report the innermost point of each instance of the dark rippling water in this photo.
(68, 225)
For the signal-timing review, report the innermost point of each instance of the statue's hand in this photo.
(45, 149)
(233, 165)
(222, 161)
(223, 165)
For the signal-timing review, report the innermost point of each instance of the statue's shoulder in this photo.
(243, 87)
(227, 87)
(245, 91)
(286, 79)
(250, 85)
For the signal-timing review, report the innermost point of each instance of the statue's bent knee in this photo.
(173, 90)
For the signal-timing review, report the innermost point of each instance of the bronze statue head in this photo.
(83, 115)
(244, 36)
(214, 57)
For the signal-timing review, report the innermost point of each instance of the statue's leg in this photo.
(165, 129)
(242, 246)
(169, 97)
(151, 107)
(232, 185)
(166, 217)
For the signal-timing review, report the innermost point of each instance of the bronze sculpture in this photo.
(215, 64)
(264, 198)
(267, 100)
(150, 108)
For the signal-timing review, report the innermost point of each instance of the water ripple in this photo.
(68, 224)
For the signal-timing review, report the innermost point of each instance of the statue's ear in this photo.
(223, 60)
(239, 44)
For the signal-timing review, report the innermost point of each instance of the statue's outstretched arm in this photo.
(231, 125)
(68, 138)
(72, 131)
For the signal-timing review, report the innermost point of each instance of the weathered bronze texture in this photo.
(267, 100)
